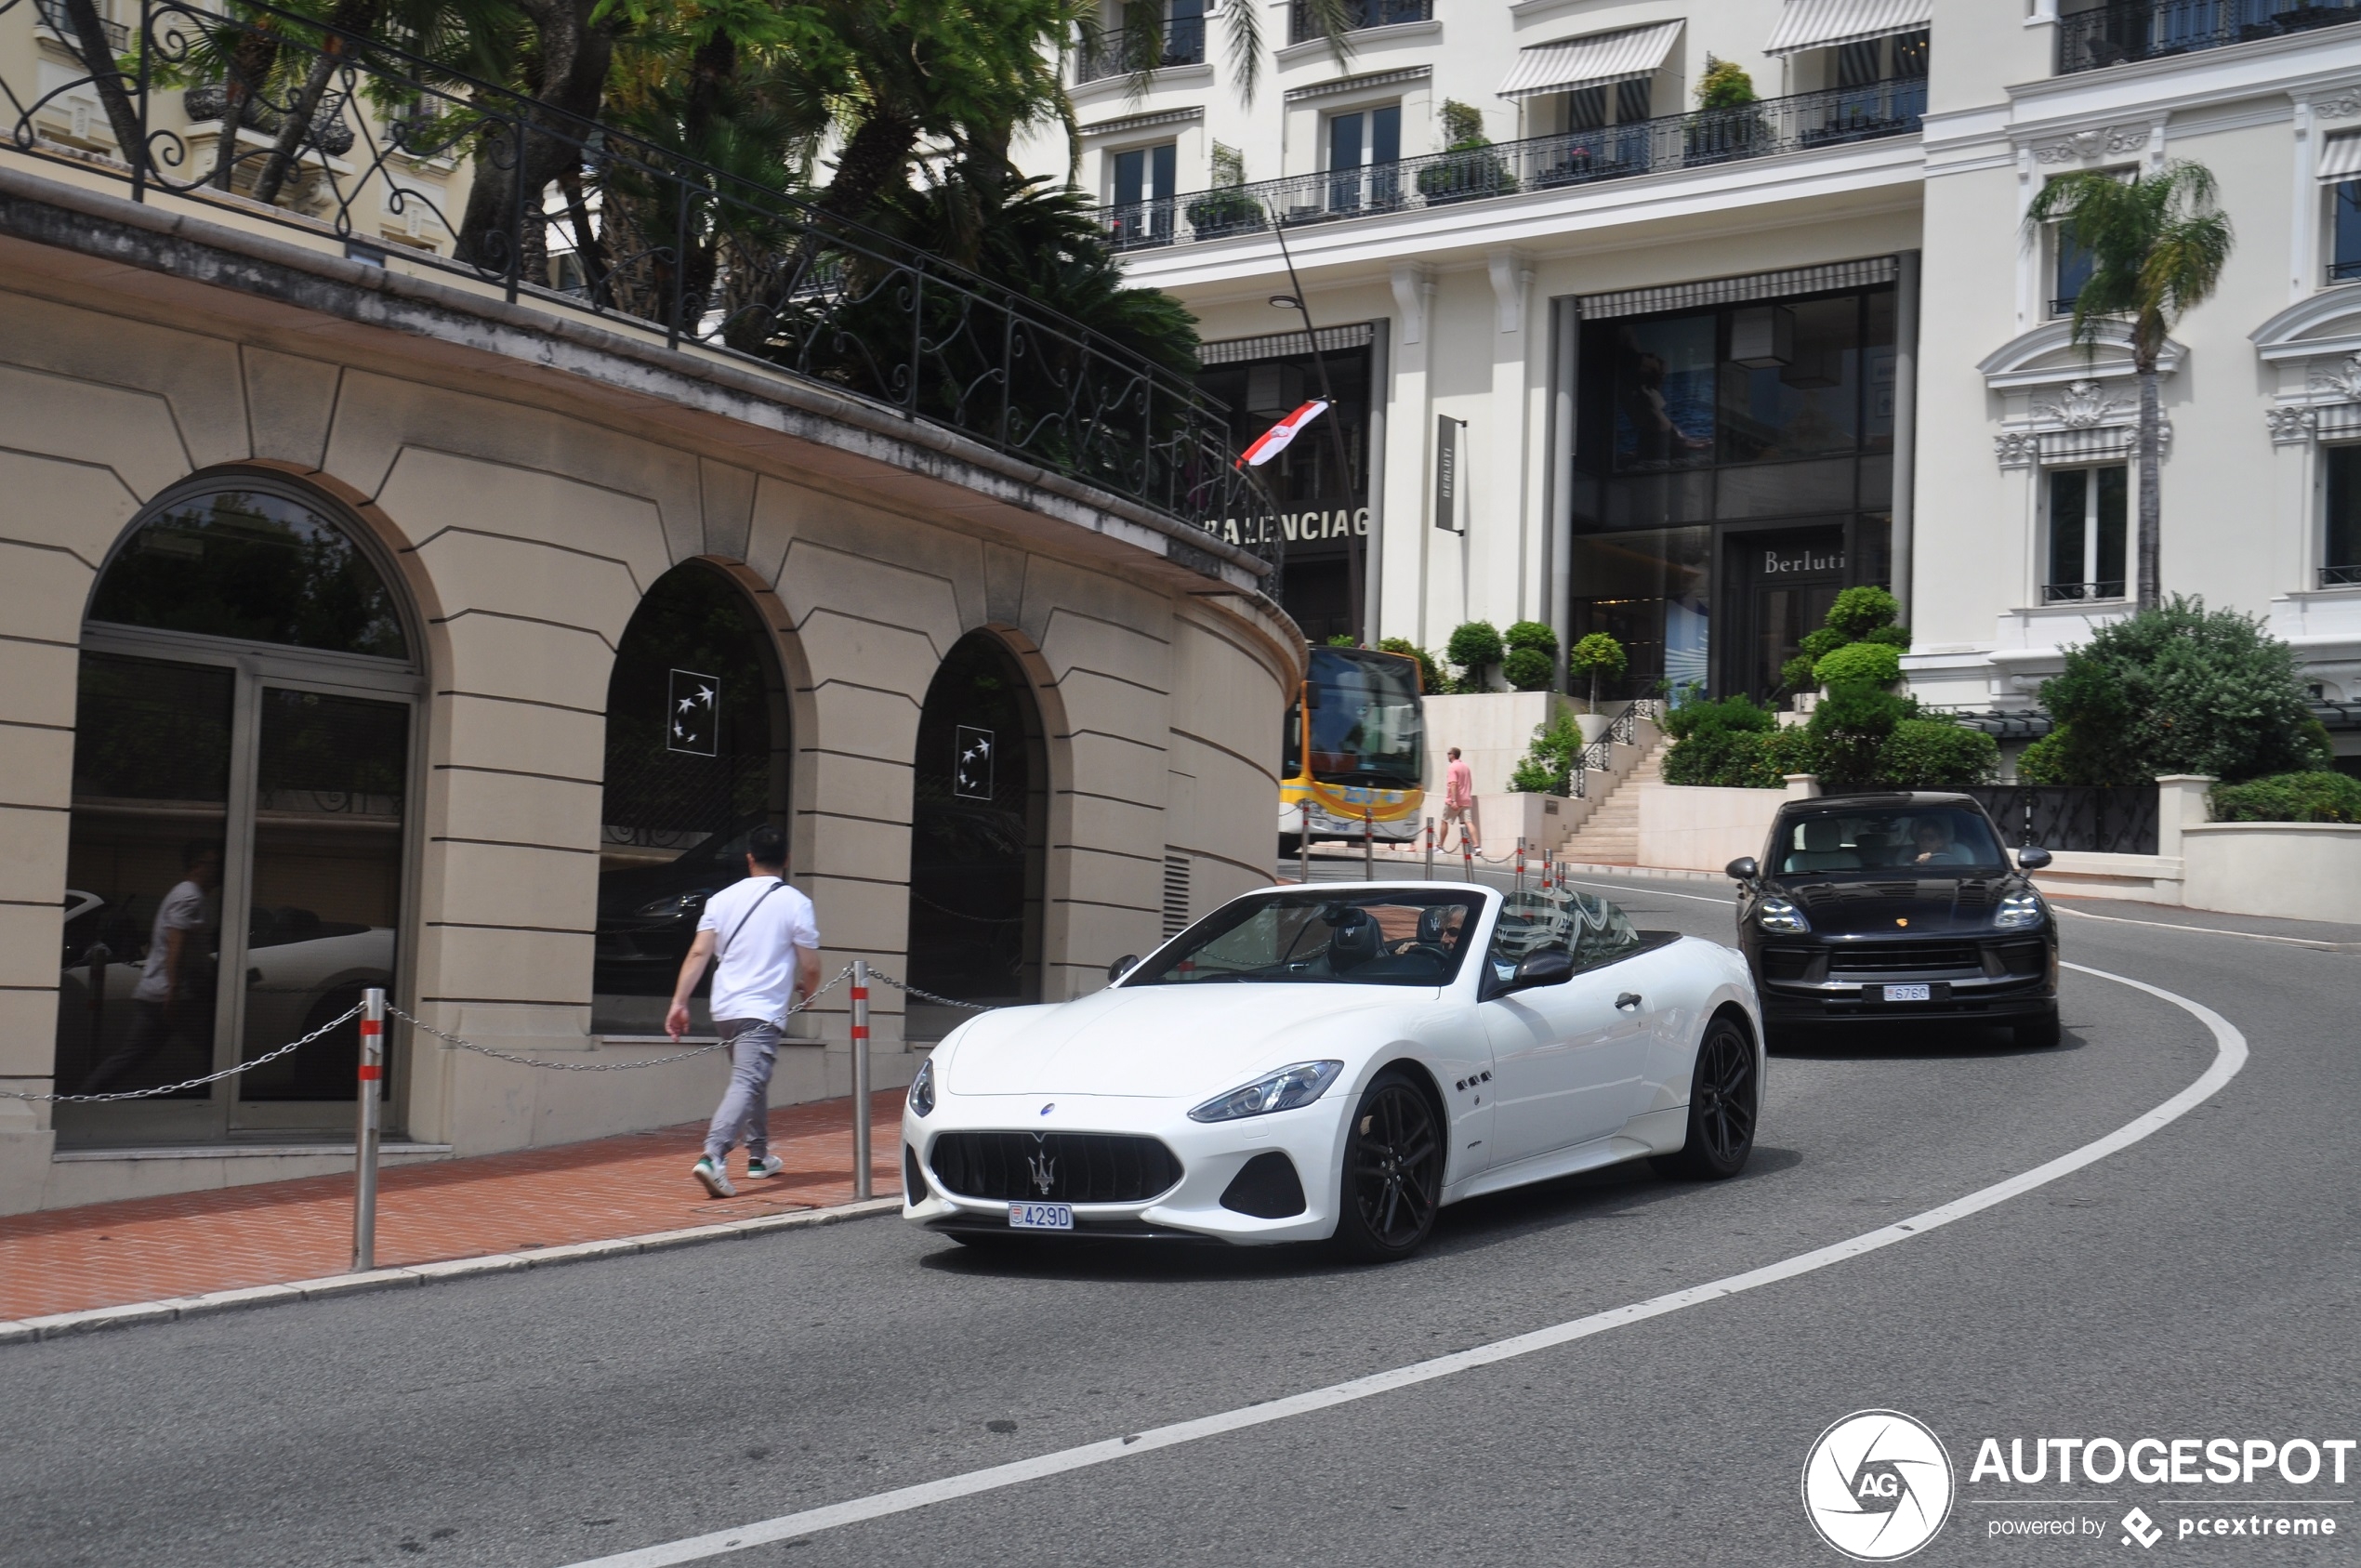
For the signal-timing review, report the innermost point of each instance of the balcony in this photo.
(54, 18)
(1674, 141)
(2154, 29)
(1304, 25)
(1125, 51)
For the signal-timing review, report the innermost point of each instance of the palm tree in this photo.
(2157, 243)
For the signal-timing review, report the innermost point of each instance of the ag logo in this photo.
(1877, 1485)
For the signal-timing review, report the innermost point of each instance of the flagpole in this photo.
(1353, 545)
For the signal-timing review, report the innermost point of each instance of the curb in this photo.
(58, 1325)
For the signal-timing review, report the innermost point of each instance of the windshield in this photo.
(1385, 937)
(1583, 925)
(1942, 840)
(1365, 727)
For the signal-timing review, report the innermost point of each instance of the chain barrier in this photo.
(909, 990)
(342, 1017)
(449, 1039)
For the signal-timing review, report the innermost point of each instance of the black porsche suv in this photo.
(1897, 906)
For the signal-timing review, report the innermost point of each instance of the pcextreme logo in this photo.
(1877, 1485)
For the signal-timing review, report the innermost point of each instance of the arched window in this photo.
(244, 736)
(698, 756)
(979, 823)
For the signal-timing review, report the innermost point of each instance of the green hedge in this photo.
(1909, 754)
(1935, 754)
(2317, 797)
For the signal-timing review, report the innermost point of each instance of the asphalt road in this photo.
(2203, 1282)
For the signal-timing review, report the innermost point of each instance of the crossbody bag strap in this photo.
(744, 919)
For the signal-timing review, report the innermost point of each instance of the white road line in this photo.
(2213, 930)
(2230, 1055)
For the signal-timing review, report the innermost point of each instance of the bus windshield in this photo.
(1365, 724)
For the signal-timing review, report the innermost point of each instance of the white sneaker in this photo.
(770, 1165)
(716, 1180)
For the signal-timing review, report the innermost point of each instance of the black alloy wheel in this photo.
(1392, 1172)
(1724, 1094)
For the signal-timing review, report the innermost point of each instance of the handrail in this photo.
(336, 131)
(2116, 35)
(1834, 117)
(1120, 51)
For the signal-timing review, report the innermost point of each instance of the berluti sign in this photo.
(1448, 489)
(1798, 561)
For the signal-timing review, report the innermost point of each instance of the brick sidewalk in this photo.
(103, 1255)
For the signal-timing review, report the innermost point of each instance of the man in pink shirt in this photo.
(1460, 803)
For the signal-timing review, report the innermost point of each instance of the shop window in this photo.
(2340, 557)
(2088, 516)
(2344, 233)
(242, 740)
(696, 759)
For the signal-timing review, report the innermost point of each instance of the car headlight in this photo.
(673, 904)
(1283, 1090)
(2018, 911)
(1775, 914)
(922, 1089)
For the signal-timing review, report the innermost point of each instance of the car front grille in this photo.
(1072, 1167)
(1900, 958)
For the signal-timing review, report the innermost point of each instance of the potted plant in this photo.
(1726, 124)
(1469, 167)
(1222, 212)
(1595, 655)
(1475, 648)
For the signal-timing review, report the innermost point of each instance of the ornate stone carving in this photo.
(2289, 425)
(2083, 405)
(2017, 449)
(2344, 383)
(2082, 146)
(2340, 104)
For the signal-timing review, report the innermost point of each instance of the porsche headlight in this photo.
(1283, 1090)
(922, 1089)
(1775, 914)
(2018, 911)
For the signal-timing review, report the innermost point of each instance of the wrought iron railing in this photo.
(2111, 820)
(2113, 35)
(2344, 269)
(1674, 141)
(2339, 576)
(1123, 50)
(1303, 23)
(54, 18)
(2064, 593)
(567, 213)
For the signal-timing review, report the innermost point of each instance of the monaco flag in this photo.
(1274, 441)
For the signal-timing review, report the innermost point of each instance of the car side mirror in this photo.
(2033, 856)
(1549, 966)
(1743, 869)
(1122, 967)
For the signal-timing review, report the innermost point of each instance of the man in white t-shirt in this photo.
(769, 945)
(174, 997)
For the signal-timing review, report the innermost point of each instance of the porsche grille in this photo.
(1084, 1168)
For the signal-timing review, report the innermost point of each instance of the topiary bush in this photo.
(1474, 648)
(2315, 795)
(1936, 754)
(1859, 664)
(1858, 612)
(1529, 669)
(1595, 655)
(1431, 677)
(2179, 688)
(1849, 729)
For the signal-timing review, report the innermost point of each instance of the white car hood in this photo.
(1163, 1041)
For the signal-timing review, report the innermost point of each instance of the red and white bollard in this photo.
(365, 1133)
(1430, 848)
(859, 1080)
(1520, 865)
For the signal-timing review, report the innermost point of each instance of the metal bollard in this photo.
(1303, 842)
(1430, 848)
(1369, 846)
(365, 1133)
(859, 1080)
(1520, 865)
(1467, 857)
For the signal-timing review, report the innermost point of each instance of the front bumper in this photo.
(1211, 1154)
(2008, 980)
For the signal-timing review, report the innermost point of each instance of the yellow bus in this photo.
(1355, 743)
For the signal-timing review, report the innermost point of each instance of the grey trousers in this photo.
(744, 1113)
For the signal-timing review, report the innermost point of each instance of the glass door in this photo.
(234, 878)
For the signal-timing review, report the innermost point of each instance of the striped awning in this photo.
(1574, 63)
(1822, 24)
(2341, 158)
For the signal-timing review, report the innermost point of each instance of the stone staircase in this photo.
(1610, 835)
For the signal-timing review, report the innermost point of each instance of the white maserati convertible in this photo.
(1340, 1060)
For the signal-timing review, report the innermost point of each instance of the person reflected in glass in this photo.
(174, 998)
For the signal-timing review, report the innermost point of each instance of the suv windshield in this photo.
(1385, 937)
(1930, 840)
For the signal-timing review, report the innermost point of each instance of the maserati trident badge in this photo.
(1044, 1167)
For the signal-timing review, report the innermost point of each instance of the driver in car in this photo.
(1933, 836)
